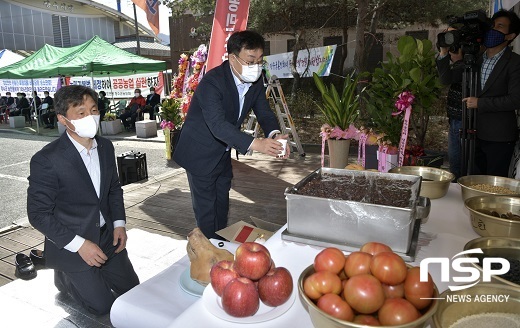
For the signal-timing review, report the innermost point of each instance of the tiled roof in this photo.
(147, 48)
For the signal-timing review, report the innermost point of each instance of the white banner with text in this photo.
(314, 60)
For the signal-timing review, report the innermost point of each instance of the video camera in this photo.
(469, 35)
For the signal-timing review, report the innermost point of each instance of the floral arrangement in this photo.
(178, 80)
(172, 119)
(327, 132)
(414, 71)
(184, 83)
(109, 117)
(198, 59)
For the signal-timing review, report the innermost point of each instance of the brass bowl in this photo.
(449, 312)
(488, 225)
(495, 247)
(467, 181)
(321, 319)
(435, 182)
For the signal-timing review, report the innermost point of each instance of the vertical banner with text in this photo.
(151, 8)
(230, 16)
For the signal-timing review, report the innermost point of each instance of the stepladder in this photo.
(275, 95)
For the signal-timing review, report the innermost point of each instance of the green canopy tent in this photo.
(93, 58)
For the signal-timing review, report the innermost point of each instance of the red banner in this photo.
(230, 16)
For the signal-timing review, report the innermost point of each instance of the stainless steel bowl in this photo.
(435, 182)
(496, 247)
(470, 180)
(321, 319)
(488, 225)
(450, 312)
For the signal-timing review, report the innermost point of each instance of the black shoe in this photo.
(37, 257)
(24, 267)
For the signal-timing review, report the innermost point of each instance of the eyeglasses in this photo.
(262, 62)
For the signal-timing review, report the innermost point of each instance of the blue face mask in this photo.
(494, 38)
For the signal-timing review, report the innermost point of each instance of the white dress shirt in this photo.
(242, 88)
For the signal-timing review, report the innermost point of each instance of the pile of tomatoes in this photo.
(372, 286)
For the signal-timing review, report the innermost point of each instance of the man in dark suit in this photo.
(212, 127)
(152, 100)
(498, 96)
(75, 199)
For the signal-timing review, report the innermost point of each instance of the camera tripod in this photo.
(468, 132)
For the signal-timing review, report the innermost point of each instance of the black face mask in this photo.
(494, 38)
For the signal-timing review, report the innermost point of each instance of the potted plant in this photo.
(110, 124)
(171, 122)
(339, 112)
(411, 76)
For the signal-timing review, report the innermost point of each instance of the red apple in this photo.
(220, 274)
(240, 298)
(252, 260)
(275, 287)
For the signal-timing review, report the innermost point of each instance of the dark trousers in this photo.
(210, 197)
(48, 118)
(493, 158)
(454, 146)
(93, 288)
(150, 110)
(129, 114)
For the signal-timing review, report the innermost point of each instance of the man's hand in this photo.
(120, 237)
(92, 254)
(456, 56)
(287, 146)
(269, 146)
(471, 102)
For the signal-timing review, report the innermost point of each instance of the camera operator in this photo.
(453, 101)
(498, 96)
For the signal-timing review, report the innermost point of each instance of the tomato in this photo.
(366, 319)
(397, 311)
(395, 291)
(330, 259)
(335, 306)
(389, 268)
(357, 263)
(320, 283)
(416, 291)
(364, 293)
(375, 248)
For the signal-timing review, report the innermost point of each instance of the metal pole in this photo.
(136, 31)
(35, 109)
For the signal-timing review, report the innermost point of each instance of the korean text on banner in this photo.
(230, 16)
(315, 60)
(151, 8)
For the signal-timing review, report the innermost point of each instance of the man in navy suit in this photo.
(75, 199)
(498, 95)
(219, 105)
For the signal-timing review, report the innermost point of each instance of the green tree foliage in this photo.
(412, 70)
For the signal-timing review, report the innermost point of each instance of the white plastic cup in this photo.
(284, 144)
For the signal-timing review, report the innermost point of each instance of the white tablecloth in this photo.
(160, 302)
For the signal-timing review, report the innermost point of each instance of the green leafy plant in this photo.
(170, 113)
(413, 70)
(339, 110)
(109, 117)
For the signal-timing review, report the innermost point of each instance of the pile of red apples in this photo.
(252, 277)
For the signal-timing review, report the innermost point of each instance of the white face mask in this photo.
(137, 94)
(250, 73)
(86, 127)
